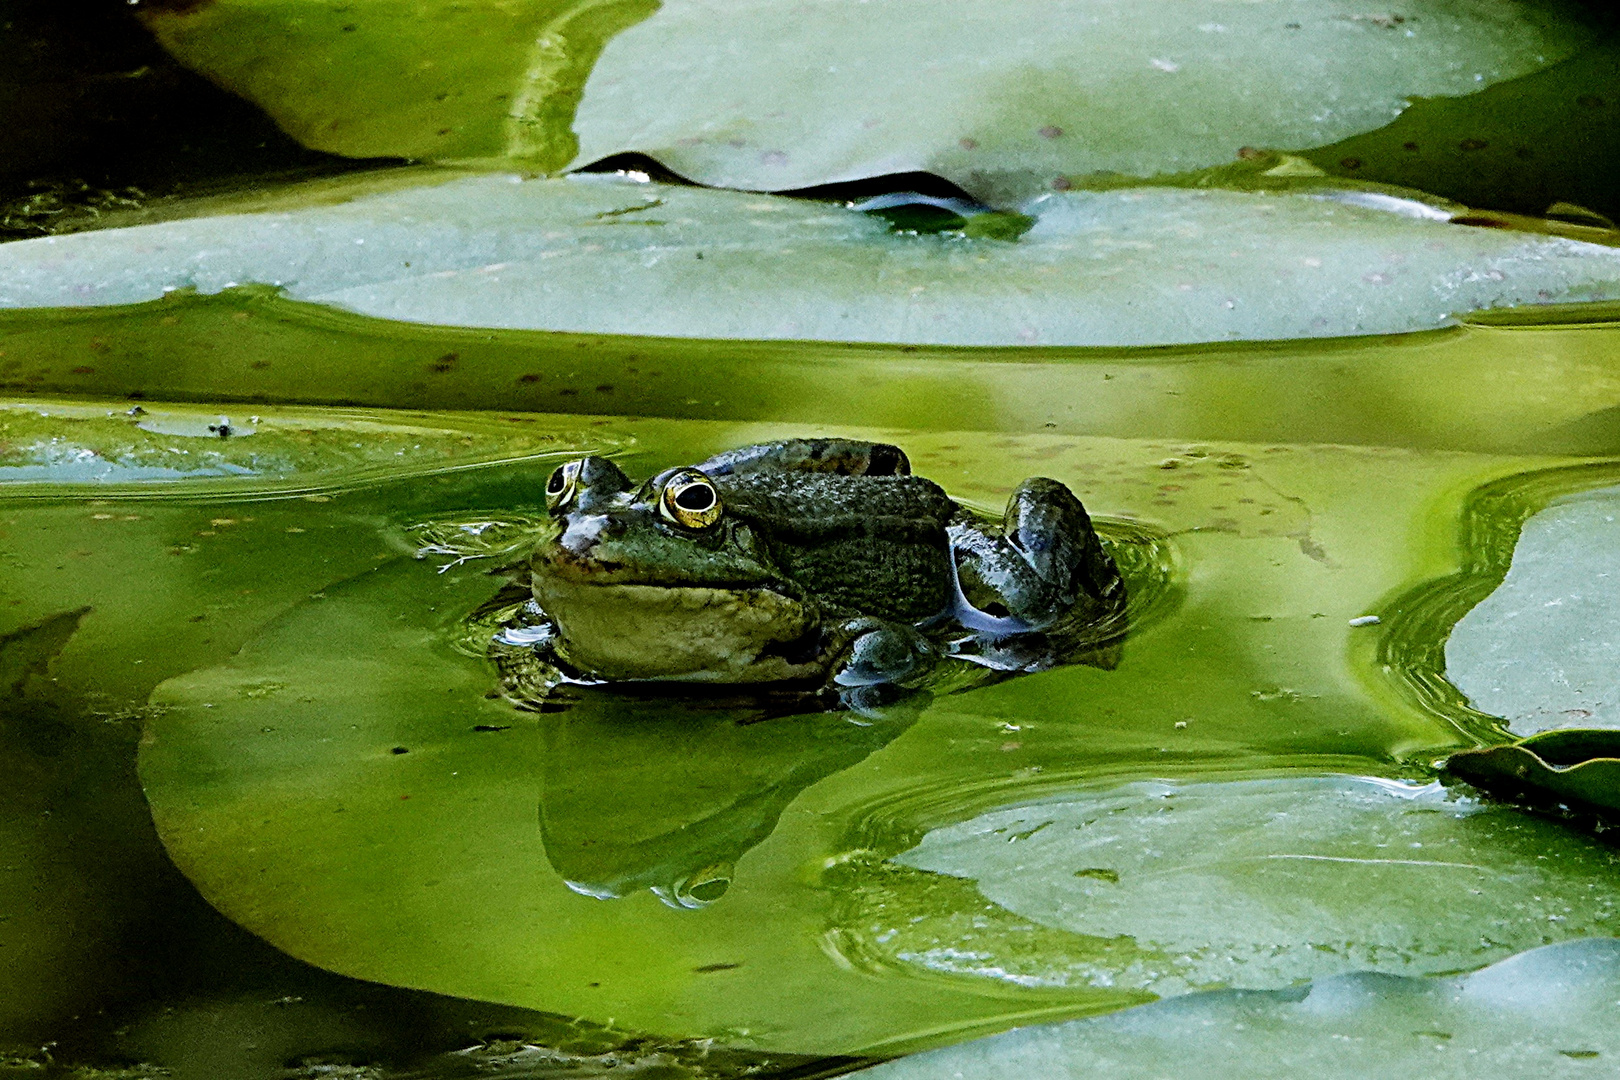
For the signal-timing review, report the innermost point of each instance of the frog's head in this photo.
(660, 581)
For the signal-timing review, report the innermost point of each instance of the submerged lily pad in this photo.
(606, 255)
(770, 97)
(1577, 767)
(1256, 884)
(1550, 1012)
(61, 443)
(1543, 650)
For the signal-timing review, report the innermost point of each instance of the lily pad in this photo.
(608, 255)
(264, 448)
(1543, 650)
(1549, 1012)
(1248, 883)
(1578, 767)
(428, 79)
(765, 97)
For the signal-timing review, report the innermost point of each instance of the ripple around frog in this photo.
(690, 865)
(1411, 650)
(1145, 556)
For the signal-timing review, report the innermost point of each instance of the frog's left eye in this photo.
(560, 488)
(690, 499)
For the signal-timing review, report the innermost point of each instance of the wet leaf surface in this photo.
(1543, 650)
(1549, 1012)
(999, 100)
(1249, 883)
(606, 255)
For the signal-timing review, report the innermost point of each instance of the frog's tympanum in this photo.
(809, 563)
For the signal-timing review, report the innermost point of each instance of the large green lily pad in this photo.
(1549, 1012)
(426, 79)
(1543, 650)
(609, 255)
(765, 97)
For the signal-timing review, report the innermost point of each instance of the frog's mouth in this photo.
(619, 629)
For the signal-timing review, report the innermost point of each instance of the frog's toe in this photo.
(886, 653)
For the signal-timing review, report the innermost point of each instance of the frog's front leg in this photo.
(1044, 564)
(883, 653)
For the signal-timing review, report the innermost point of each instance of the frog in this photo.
(816, 563)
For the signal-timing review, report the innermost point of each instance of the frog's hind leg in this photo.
(841, 457)
(1046, 564)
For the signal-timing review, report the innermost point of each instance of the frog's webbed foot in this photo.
(883, 653)
(841, 457)
(1044, 565)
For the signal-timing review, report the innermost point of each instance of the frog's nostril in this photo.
(581, 536)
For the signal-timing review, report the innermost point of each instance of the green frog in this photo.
(811, 563)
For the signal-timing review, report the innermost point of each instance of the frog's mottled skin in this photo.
(825, 561)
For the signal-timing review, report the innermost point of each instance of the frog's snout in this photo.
(584, 533)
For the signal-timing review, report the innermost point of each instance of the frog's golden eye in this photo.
(690, 499)
(560, 488)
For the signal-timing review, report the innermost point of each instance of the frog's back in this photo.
(873, 544)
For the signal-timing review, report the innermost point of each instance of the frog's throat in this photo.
(683, 633)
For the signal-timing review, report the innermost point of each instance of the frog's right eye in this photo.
(690, 500)
(560, 488)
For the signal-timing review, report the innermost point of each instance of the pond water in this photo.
(328, 760)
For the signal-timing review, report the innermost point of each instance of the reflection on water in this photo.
(668, 794)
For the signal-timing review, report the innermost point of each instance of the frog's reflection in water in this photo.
(667, 792)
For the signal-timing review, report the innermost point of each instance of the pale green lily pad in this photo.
(769, 97)
(1543, 650)
(607, 255)
(1549, 1012)
(1002, 99)
(1249, 883)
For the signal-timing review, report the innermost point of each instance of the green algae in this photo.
(1276, 548)
(1488, 388)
